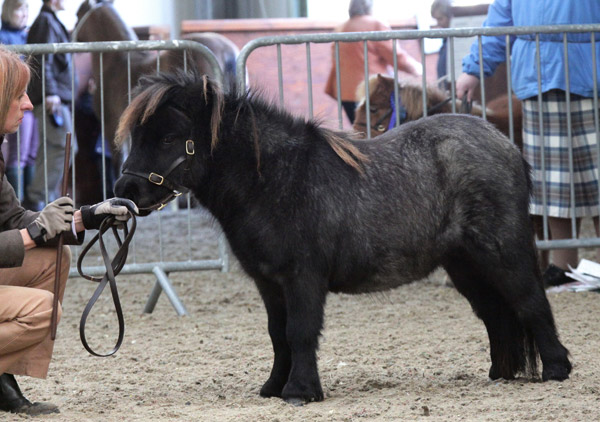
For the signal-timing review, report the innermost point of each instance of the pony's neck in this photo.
(103, 23)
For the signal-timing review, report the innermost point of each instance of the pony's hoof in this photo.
(295, 401)
(556, 373)
(271, 389)
(304, 395)
(494, 373)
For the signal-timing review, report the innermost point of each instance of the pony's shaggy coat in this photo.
(307, 210)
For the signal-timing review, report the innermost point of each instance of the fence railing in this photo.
(161, 265)
(150, 258)
(450, 34)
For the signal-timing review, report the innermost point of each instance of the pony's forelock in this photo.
(154, 91)
(141, 108)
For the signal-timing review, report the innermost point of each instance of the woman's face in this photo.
(18, 18)
(17, 109)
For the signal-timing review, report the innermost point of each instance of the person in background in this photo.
(27, 264)
(441, 11)
(22, 148)
(380, 56)
(554, 100)
(47, 28)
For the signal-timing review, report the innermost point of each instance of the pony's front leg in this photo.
(274, 301)
(305, 298)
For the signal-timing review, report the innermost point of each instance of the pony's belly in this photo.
(379, 282)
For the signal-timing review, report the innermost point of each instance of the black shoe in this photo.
(554, 276)
(12, 400)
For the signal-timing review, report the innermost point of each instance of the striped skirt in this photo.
(557, 164)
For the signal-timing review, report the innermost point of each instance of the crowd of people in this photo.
(33, 214)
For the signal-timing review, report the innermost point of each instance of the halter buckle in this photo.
(157, 179)
(161, 207)
(189, 147)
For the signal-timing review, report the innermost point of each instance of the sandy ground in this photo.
(415, 353)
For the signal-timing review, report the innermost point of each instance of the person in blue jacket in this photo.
(554, 103)
(22, 148)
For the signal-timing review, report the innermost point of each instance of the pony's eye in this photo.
(168, 140)
(373, 109)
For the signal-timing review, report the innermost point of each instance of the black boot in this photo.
(555, 276)
(12, 400)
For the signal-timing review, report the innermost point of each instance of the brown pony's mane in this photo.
(150, 97)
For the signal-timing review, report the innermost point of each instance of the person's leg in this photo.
(14, 153)
(25, 344)
(26, 302)
(350, 109)
(49, 160)
(29, 145)
(561, 228)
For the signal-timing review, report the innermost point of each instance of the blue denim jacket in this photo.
(523, 48)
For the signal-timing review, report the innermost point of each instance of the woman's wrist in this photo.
(78, 222)
(27, 240)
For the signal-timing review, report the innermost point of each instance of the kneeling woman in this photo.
(27, 267)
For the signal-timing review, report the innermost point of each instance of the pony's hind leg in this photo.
(527, 296)
(518, 279)
(510, 346)
(274, 301)
(511, 300)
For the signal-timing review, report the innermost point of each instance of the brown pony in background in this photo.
(381, 89)
(99, 21)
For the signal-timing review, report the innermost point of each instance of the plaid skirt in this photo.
(556, 152)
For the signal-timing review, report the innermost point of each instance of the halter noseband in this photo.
(161, 180)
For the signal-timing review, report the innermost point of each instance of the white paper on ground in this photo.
(585, 277)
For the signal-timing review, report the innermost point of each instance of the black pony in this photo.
(309, 211)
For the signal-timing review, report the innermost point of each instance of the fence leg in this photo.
(153, 298)
(163, 283)
(224, 252)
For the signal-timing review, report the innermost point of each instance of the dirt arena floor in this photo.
(417, 353)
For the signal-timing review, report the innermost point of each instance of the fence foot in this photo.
(163, 283)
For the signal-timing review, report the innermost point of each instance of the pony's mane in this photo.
(412, 99)
(153, 91)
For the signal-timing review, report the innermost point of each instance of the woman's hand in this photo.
(466, 84)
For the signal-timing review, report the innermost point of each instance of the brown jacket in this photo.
(352, 65)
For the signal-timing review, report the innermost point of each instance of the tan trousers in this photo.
(25, 311)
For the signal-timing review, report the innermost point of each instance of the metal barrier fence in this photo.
(534, 31)
(152, 258)
(162, 264)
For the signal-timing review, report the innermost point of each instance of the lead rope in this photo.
(113, 268)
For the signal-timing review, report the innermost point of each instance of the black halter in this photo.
(161, 180)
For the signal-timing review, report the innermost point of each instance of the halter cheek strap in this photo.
(161, 180)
